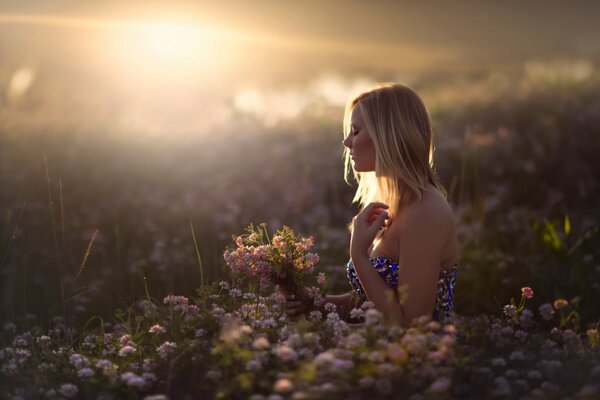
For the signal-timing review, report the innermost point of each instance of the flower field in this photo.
(115, 256)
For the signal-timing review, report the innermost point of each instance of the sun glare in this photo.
(168, 51)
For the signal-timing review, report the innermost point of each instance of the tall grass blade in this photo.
(86, 255)
(197, 254)
(14, 234)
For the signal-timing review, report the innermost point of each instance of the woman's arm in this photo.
(423, 235)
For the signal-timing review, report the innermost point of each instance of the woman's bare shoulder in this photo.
(432, 209)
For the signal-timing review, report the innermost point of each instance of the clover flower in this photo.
(85, 372)
(527, 292)
(125, 340)
(441, 384)
(68, 390)
(321, 278)
(546, 311)
(126, 350)
(157, 329)
(166, 348)
(285, 353)
(134, 380)
(509, 310)
(559, 304)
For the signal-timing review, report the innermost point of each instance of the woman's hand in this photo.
(365, 226)
(295, 305)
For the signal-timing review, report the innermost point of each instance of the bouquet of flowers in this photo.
(285, 260)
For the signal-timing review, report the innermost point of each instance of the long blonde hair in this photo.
(399, 126)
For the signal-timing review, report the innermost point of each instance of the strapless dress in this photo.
(388, 270)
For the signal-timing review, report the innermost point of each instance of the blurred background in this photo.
(125, 124)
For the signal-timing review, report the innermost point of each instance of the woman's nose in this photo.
(347, 142)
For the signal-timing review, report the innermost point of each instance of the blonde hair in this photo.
(399, 126)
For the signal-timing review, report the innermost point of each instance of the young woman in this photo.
(403, 248)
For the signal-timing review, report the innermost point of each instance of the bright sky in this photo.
(152, 65)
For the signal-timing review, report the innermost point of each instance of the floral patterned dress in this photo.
(388, 270)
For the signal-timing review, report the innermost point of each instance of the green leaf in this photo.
(567, 225)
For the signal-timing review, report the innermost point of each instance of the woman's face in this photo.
(360, 144)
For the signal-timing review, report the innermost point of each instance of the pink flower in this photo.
(192, 310)
(176, 300)
(321, 278)
(157, 329)
(527, 292)
(125, 340)
(166, 348)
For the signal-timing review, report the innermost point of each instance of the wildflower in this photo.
(126, 350)
(191, 310)
(451, 329)
(366, 382)
(103, 364)
(261, 343)
(285, 353)
(78, 360)
(199, 332)
(502, 387)
(156, 397)
(356, 313)
(315, 315)
(396, 352)
(235, 292)
(510, 310)
(157, 329)
(516, 356)
(68, 390)
(85, 372)
(569, 335)
(246, 330)
(527, 292)
(559, 304)
(176, 300)
(224, 285)
(354, 340)
(330, 307)
(321, 278)
(526, 318)
(125, 340)
(534, 374)
(367, 305)
(283, 385)
(498, 362)
(441, 384)
(133, 380)
(546, 311)
(372, 316)
(166, 348)
(521, 335)
(43, 340)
